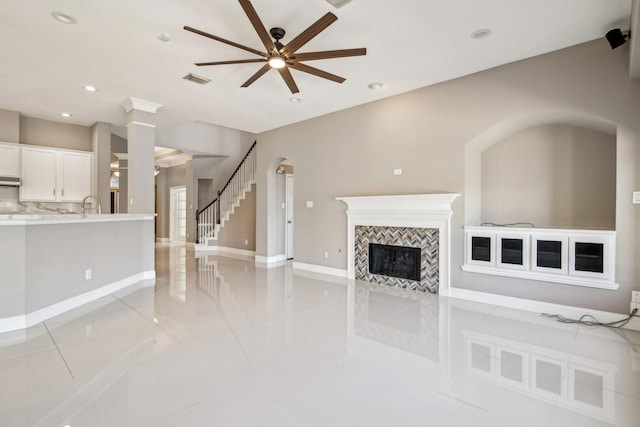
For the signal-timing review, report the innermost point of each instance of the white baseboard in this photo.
(320, 269)
(270, 261)
(225, 250)
(540, 306)
(14, 323)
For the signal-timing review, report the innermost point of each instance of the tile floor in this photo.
(218, 342)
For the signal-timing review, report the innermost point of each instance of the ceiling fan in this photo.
(283, 57)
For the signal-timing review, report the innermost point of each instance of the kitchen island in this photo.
(50, 264)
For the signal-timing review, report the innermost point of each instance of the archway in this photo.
(500, 131)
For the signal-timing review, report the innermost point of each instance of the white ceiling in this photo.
(114, 46)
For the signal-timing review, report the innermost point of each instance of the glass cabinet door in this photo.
(481, 248)
(589, 257)
(513, 251)
(550, 254)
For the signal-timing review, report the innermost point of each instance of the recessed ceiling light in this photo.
(67, 115)
(164, 37)
(295, 100)
(90, 88)
(375, 86)
(63, 17)
(481, 34)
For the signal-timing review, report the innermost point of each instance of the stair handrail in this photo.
(229, 181)
(218, 200)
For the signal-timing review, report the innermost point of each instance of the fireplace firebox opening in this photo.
(395, 261)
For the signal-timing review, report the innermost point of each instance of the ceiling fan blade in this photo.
(311, 70)
(239, 61)
(309, 33)
(258, 25)
(221, 40)
(328, 54)
(257, 75)
(288, 79)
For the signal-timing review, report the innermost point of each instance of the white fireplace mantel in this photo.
(413, 210)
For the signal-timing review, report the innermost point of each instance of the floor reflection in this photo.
(221, 342)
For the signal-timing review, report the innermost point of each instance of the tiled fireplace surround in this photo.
(421, 220)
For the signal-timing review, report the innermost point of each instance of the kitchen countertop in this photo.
(42, 219)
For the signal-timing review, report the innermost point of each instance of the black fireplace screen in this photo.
(395, 261)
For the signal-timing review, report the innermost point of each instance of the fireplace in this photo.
(394, 261)
(399, 248)
(419, 221)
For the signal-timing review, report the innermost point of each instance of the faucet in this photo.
(84, 210)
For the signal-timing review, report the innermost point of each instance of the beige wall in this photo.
(9, 126)
(54, 134)
(551, 176)
(433, 135)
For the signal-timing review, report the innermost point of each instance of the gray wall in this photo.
(436, 136)
(54, 134)
(241, 226)
(45, 264)
(571, 169)
(9, 126)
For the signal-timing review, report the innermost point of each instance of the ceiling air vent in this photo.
(197, 79)
(339, 3)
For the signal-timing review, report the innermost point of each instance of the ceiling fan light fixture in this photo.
(277, 61)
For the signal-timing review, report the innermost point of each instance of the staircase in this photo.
(211, 219)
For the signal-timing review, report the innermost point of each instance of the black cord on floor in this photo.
(513, 224)
(617, 324)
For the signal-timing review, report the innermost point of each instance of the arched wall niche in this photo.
(503, 131)
(276, 214)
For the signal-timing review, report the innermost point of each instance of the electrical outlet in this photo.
(246, 241)
(326, 255)
(397, 171)
(635, 296)
(87, 274)
(635, 305)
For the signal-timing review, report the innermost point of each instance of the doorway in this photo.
(178, 214)
(288, 227)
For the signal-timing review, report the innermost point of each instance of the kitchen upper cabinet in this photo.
(51, 175)
(9, 160)
(74, 175)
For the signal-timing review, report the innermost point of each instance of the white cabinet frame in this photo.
(566, 274)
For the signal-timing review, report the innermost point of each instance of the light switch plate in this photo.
(636, 197)
(309, 203)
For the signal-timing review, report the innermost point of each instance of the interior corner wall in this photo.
(425, 133)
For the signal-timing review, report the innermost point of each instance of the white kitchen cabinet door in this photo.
(74, 176)
(9, 160)
(38, 167)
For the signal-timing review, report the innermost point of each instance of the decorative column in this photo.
(141, 142)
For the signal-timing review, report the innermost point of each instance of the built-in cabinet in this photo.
(574, 257)
(53, 175)
(9, 160)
